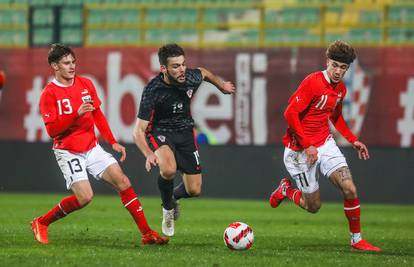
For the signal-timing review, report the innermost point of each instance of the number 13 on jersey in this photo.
(64, 106)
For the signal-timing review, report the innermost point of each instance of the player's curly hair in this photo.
(341, 51)
(58, 51)
(169, 50)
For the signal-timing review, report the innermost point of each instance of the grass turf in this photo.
(103, 234)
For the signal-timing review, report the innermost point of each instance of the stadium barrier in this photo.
(243, 172)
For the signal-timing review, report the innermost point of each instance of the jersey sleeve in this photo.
(194, 77)
(47, 106)
(339, 123)
(54, 126)
(303, 96)
(103, 126)
(147, 104)
(300, 101)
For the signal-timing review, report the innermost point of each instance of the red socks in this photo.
(70, 204)
(294, 195)
(130, 200)
(353, 213)
(66, 206)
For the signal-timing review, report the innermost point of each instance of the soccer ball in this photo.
(238, 236)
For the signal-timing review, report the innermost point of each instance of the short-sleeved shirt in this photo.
(59, 103)
(316, 99)
(167, 107)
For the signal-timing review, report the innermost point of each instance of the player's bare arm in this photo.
(225, 87)
(141, 143)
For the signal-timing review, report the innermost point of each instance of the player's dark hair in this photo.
(341, 51)
(58, 51)
(169, 50)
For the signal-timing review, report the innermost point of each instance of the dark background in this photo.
(231, 171)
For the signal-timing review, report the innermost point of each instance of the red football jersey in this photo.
(315, 100)
(58, 103)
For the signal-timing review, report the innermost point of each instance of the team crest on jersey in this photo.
(161, 138)
(190, 93)
(86, 98)
(355, 103)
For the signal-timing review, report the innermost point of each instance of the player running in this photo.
(309, 146)
(70, 109)
(164, 130)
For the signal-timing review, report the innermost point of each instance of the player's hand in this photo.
(362, 150)
(85, 107)
(120, 149)
(228, 88)
(152, 160)
(311, 155)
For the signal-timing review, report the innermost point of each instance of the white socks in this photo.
(355, 238)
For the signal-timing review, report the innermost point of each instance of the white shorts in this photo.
(330, 158)
(76, 166)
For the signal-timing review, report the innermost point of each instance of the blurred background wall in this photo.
(265, 47)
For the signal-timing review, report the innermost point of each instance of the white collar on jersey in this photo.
(325, 74)
(60, 84)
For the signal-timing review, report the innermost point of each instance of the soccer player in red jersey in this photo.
(309, 144)
(70, 109)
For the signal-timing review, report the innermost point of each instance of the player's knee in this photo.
(194, 192)
(85, 198)
(350, 191)
(123, 183)
(313, 207)
(168, 173)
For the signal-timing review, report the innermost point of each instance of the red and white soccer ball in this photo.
(238, 236)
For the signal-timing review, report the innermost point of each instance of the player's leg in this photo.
(73, 168)
(306, 195)
(114, 175)
(191, 185)
(342, 179)
(168, 168)
(188, 162)
(335, 167)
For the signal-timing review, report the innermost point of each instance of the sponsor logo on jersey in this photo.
(161, 138)
(190, 93)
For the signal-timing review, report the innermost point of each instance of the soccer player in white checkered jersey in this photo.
(309, 145)
(70, 109)
(165, 133)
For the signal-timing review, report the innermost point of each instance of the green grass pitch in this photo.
(103, 234)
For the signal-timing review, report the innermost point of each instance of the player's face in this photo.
(175, 69)
(65, 68)
(336, 70)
